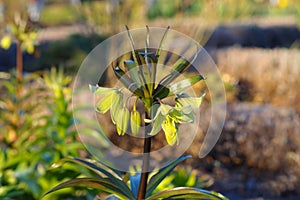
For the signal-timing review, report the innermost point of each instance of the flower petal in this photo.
(135, 121)
(116, 105)
(104, 104)
(5, 42)
(156, 125)
(170, 129)
(122, 120)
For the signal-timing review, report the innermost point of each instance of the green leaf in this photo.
(158, 52)
(162, 173)
(133, 71)
(97, 90)
(137, 59)
(178, 68)
(182, 114)
(112, 197)
(184, 100)
(161, 92)
(113, 175)
(187, 192)
(164, 109)
(135, 183)
(182, 85)
(101, 185)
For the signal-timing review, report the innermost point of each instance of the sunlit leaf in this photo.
(187, 193)
(101, 170)
(186, 83)
(97, 90)
(164, 109)
(163, 173)
(101, 185)
(177, 69)
(184, 100)
(182, 114)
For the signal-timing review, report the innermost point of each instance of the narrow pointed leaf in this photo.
(187, 193)
(190, 101)
(95, 89)
(133, 71)
(162, 173)
(101, 185)
(182, 85)
(112, 197)
(178, 68)
(158, 52)
(113, 175)
(123, 77)
(135, 183)
(161, 92)
(136, 57)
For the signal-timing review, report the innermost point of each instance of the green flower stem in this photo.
(145, 168)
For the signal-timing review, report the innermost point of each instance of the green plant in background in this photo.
(37, 130)
(106, 17)
(25, 39)
(138, 77)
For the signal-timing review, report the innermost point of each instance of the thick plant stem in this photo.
(146, 157)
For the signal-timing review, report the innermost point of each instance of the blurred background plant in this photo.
(38, 129)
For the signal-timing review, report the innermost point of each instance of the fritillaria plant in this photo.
(137, 74)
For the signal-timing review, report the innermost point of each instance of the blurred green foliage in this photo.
(38, 130)
(184, 177)
(169, 8)
(109, 17)
(58, 14)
